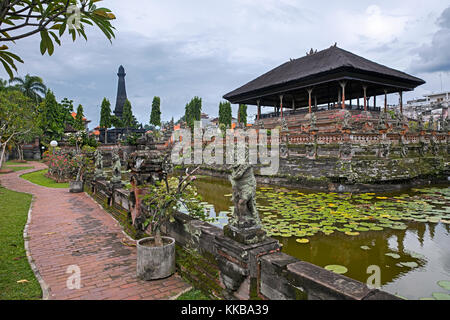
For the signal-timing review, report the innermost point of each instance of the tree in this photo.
(79, 122)
(193, 111)
(105, 114)
(67, 109)
(128, 119)
(20, 19)
(225, 116)
(17, 118)
(242, 114)
(51, 118)
(30, 86)
(155, 117)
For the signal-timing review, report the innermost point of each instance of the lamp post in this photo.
(53, 144)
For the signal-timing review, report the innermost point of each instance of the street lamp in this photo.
(53, 144)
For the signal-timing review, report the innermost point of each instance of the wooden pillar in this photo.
(281, 105)
(293, 103)
(343, 83)
(309, 98)
(401, 102)
(315, 103)
(357, 102)
(385, 101)
(365, 97)
(259, 109)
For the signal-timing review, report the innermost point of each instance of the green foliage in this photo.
(17, 119)
(242, 114)
(225, 115)
(166, 197)
(81, 139)
(67, 109)
(51, 118)
(106, 120)
(128, 119)
(79, 122)
(31, 86)
(193, 111)
(131, 139)
(155, 117)
(51, 19)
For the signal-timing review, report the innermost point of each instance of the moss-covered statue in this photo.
(116, 168)
(245, 225)
(98, 174)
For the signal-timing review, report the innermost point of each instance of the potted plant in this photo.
(82, 163)
(156, 254)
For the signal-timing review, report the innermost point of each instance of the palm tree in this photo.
(30, 86)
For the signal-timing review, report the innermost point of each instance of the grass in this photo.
(13, 162)
(15, 169)
(39, 178)
(14, 265)
(193, 294)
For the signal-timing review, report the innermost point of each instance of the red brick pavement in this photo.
(71, 229)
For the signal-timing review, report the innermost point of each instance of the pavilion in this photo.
(331, 78)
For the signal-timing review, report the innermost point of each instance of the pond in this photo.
(406, 234)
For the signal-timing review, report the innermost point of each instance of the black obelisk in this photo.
(121, 93)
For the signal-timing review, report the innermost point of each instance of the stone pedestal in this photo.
(238, 262)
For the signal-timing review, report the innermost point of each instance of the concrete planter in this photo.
(155, 262)
(76, 186)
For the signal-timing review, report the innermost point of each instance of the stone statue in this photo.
(284, 126)
(98, 174)
(245, 225)
(420, 122)
(382, 121)
(431, 123)
(347, 118)
(116, 168)
(313, 122)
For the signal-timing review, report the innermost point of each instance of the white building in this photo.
(435, 105)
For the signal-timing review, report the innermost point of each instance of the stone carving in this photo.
(385, 149)
(346, 120)
(313, 122)
(345, 150)
(420, 123)
(284, 126)
(445, 126)
(382, 121)
(98, 174)
(116, 178)
(431, 123)
(244, 226)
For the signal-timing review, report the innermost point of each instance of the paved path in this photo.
(71, 229)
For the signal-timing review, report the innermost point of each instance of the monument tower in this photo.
(121, 93)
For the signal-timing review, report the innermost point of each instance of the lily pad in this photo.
(441, 296)
(302, 240)
(444, 284)
(336, 268)
(409, 264)
(365, 248)
(393, 255)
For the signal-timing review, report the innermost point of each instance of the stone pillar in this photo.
(243, 240)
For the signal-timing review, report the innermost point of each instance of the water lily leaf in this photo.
(336, 268)
(302, 240)
(409, 264)
(365, 247)
(393, 255)
(441, 296)
(444, 284)
(350, 233)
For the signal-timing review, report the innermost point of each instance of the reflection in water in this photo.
(425, 253)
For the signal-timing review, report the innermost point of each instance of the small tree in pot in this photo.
(161, 200)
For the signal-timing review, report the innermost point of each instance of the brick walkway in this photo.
(71, 229)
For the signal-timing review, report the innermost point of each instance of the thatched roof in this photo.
(328, 65)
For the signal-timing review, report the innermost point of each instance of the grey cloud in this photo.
(435, 57)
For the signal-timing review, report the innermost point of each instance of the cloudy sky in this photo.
(179, 49)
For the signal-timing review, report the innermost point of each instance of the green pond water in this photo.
(406, 234)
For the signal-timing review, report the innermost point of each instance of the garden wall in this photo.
(225, 269)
